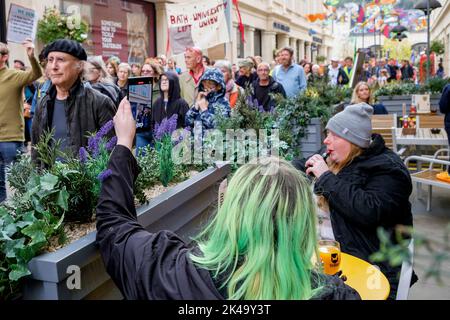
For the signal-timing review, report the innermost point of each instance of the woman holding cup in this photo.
(362, 186)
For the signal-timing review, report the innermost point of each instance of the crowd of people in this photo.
(261, 242)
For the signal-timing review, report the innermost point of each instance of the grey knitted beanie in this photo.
(354, 124)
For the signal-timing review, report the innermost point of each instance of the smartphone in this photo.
(140, 96)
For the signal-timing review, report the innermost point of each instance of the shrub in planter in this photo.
(66, 190)
(295, 114)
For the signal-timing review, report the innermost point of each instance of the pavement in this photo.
(431, 225)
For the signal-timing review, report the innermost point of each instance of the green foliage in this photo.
(26, 225)
(65, 189)
(434, 86)
(437, 47)
(321, 59)
(295, 114)
(166, 165)
(149, 172)
(436, 251)
(55, 25)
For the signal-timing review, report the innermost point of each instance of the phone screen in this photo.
(140, 97)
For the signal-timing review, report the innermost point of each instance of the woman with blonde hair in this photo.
(363, 94)
(364, 185)
(259, 245)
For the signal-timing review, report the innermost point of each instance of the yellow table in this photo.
(365, 278)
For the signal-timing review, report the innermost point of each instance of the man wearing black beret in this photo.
(69, 108)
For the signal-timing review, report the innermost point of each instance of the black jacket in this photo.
(407, 72)
(87, 111)
(175, 105)
(373, 191)
(345, 80)
(108, 89)
(156, 266)
(444, 106)
(244, 82)
(274, 88)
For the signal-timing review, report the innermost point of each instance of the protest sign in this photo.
(202, 24)
(22, 24)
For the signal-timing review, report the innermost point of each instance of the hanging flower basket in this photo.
(56, 25)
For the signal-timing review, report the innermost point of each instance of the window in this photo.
(258, 51)
(125, 5)
(101, 2)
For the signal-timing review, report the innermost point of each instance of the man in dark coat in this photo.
(444, 107)
(265, 86)
(70, 108)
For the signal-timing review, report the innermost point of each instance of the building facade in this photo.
(135, 29)
(440, 30)
(269, 25)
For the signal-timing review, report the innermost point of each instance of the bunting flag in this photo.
(361, 14)
(241, 25)
(387, 31)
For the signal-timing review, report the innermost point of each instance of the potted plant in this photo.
(48, 205)
(395, 94)
(55, 25)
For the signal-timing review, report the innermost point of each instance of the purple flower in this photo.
(107, 127)
(167, 126)
(249, 101)
(111, 143)
(104, 174)
(94, 144)
(83, 155)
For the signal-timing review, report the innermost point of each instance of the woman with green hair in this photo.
(261, 244)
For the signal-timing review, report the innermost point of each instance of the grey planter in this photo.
(182, 209)
(312, 141)
(394, 104)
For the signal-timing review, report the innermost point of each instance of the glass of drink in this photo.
(330, 255)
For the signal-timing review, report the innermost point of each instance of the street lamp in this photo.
(400, 37)
(427, 6)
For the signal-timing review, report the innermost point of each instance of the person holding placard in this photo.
(11, 107)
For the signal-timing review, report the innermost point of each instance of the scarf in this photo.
(229, 89)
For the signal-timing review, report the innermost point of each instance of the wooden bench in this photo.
(428, 176)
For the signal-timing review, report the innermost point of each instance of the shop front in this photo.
(125, 29)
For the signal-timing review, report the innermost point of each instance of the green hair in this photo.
(263, 237)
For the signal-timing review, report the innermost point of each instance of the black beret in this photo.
(68, 46)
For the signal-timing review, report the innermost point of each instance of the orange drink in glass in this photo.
(330, 255)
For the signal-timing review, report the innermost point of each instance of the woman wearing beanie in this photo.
(363, 186)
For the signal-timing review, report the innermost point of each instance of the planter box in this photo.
(394, 104)
(182, 209)
(311, 143)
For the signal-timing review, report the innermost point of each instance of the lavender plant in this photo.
(163, 143)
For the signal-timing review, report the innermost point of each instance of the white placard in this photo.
(201, 24)
(22, 24)
(422, 103)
